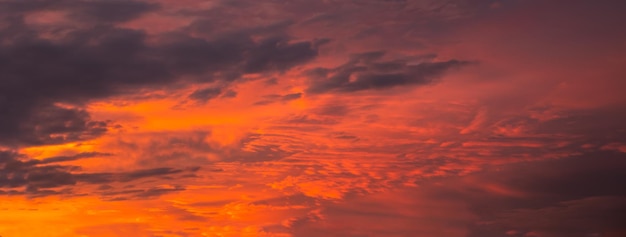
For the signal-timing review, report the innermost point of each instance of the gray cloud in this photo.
(277, 54)
(367, 72)
(73, 157)
(270, 99)
(204, 95)
(47, 124)
(103, 60)
(20, 175)
(130, 194)
(575, 196)
(97, 11)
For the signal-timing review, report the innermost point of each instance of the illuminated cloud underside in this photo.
(312, 118)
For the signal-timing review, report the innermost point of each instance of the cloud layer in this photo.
(312, 118)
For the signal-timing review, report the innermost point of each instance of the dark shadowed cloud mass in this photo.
(461, 118)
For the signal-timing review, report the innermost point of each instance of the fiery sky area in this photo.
(458, 118)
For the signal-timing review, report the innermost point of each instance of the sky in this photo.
(426, 118)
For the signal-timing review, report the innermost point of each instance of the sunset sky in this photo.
(303, 118)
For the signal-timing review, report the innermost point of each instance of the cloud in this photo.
(394, 213)
(47, 124)
(129, 194)
(229, 94)
(20, 175)
(367, 72)
(78, 156)
(270, 99)
(95, 11)
(591, 216)
(575, 196)
(101, 61)
(249, 149)
(333, 151)
(335, 109)
(204, 95)
(103, 178)
(277, 54)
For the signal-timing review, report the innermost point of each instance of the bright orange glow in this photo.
(312, 118)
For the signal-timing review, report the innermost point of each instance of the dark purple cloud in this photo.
(35, 178)
(368, 72)
(103, 60)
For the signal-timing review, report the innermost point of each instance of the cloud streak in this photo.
(367, 72)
